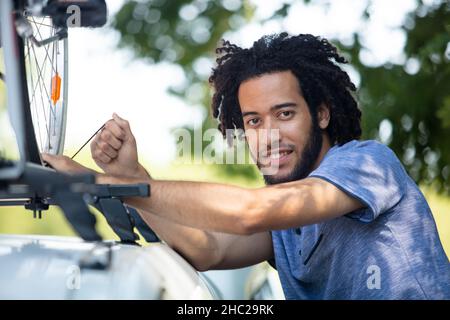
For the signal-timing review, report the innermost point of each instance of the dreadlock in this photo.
(313, 60)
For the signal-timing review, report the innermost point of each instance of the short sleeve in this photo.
(368, 171)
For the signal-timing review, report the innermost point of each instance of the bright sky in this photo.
(104, 79)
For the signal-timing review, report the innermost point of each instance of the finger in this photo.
(123, 124)
(46, 157)
(115, 129)
(49, 158)
(46, 160)
(107, 136)
(106, 148)
(100, 146)
(101, 156)
(94, 145)
(57, 162)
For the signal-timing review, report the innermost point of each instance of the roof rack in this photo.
(39, 187)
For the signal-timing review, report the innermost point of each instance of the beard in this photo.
(306, 161)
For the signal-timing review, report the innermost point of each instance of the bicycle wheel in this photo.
(46, 67)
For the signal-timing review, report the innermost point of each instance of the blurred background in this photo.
(150, 64)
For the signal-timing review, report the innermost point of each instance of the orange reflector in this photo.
(56, 88)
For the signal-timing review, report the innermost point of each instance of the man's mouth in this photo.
(276, 157)
(278, 154)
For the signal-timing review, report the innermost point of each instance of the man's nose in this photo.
(270, 136)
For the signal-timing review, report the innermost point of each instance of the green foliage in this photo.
(177, 31)
(183, 32)
(416, 102)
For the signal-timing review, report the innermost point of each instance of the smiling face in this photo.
(274, 101)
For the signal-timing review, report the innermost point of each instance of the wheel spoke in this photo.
(43, 24)
(40, 90)
(34, 108)
(42, 75)
(45, 46)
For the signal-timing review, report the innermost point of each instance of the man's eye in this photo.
(253, 122)
(286, 114)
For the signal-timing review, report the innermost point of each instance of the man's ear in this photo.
(323, 116)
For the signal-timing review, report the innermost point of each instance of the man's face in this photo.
(274, 102)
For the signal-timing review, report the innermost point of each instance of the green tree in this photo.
(409, 101)
(414, 97)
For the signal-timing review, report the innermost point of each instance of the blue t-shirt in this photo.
(388, 250)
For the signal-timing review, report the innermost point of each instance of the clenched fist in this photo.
(114, 149)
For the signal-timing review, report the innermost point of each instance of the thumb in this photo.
(47, 157)
(123, 124)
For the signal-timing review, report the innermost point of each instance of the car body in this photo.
(54, 267)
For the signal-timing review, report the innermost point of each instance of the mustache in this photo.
(266, 151)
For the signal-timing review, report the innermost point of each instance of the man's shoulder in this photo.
(360, 157)
(362, 148)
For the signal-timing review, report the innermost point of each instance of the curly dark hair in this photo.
(313, 60)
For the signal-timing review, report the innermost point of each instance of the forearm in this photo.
(205, 206)
(234, 210)
(209, 250)
(197, 246)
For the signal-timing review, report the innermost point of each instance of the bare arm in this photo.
(231, 209)
(207, 250)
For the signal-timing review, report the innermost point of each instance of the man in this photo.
(340, 217)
